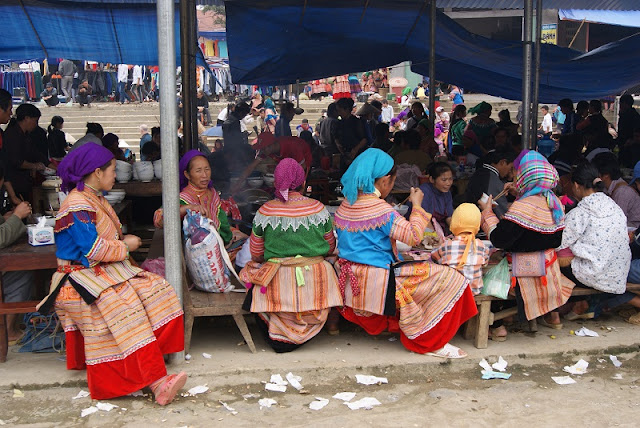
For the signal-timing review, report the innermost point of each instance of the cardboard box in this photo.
(40, 235)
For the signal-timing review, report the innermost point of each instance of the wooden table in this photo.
(16, 257)
(23, 256)
(138, 188)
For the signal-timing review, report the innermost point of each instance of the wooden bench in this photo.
(201, 304)
(477, 328)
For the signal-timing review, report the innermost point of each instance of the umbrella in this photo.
(215, 131)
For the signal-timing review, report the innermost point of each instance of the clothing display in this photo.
(30, 80)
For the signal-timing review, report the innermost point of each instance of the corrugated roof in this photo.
(462, 4)
(546, 4)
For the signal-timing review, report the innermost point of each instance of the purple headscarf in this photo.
(288, 175)
(184, 163)
(80, 162)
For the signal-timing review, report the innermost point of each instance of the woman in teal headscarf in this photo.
(482, 124)
(424, 302)
(270, 116)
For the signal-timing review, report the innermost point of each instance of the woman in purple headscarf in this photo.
(294, 287)
(118, 319)
(197, 194)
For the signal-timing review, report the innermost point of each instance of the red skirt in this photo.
(434, 339)
(134, 372)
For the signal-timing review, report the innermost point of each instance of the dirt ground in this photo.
(419, 394)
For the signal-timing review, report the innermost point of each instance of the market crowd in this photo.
(565, 214)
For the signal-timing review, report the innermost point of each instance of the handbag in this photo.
(497, 280)
(44, 333)
(528, 264)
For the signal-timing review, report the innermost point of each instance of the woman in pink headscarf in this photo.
(292, 287)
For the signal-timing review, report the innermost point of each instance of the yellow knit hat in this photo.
(465, 218)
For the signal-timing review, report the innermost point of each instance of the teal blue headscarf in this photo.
(363, 172)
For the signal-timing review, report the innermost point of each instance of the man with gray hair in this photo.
(145, 137)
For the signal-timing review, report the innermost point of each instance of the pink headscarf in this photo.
(288, 175)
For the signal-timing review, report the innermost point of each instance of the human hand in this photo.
(486, 204)
(416, 196)
(40, 166)
(133, 242)
(22, 210)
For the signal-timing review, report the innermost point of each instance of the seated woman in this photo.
(596, 233)
(532, 229)
(197, 194)
(424, 302)
(119, 320)
(294, 286)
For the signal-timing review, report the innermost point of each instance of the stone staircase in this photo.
(124, 120)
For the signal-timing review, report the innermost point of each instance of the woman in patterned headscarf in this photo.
(424, 302)
(531, 230)
(293, 287)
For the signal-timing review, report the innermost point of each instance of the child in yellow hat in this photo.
(464, 252)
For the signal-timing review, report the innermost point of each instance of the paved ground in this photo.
(422, 390)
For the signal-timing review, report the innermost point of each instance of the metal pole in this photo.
(193, 45)
(297, 93)
(536, 69)
(432, 64)
(187, 62)
(526, 74)
(169, 130)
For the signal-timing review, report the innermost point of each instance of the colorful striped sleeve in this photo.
(256, 246)
(410, 232)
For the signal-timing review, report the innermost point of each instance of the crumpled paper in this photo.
(200, 389)
(563, 380)
(370, 380)
(266, 402)
(345, 396)
(615, 360)
(585, 332)
(106, 407)
(81, 394)
(294, 381)
(318, 404)
(88, 411)
(228, 407)
(578, 368)
(364, 403)
(490, 374)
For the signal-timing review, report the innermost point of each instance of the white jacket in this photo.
(596, 233)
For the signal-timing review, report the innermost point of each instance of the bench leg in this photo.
(4, 339)
(188, 328)
(482, 332)
(246, 334)
(470, 328)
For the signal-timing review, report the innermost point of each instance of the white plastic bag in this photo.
(206, 259)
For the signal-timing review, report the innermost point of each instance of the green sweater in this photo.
(10, 230)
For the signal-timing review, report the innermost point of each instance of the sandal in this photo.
(634, 319)
(167, 388)
(448, 351)
(545, 323)
(497, 337)
(572, 316)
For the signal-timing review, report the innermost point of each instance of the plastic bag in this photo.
(154, 266)
(205, 255)
(497, 281)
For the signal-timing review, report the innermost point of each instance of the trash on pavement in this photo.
(578, 368)
(318, 404)
(370, 380)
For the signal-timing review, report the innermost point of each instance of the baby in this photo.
(464, 252)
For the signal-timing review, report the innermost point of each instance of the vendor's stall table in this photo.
(138, 188)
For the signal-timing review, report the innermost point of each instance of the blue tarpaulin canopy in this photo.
(279, 42)
(115, 32)
(611, 17)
